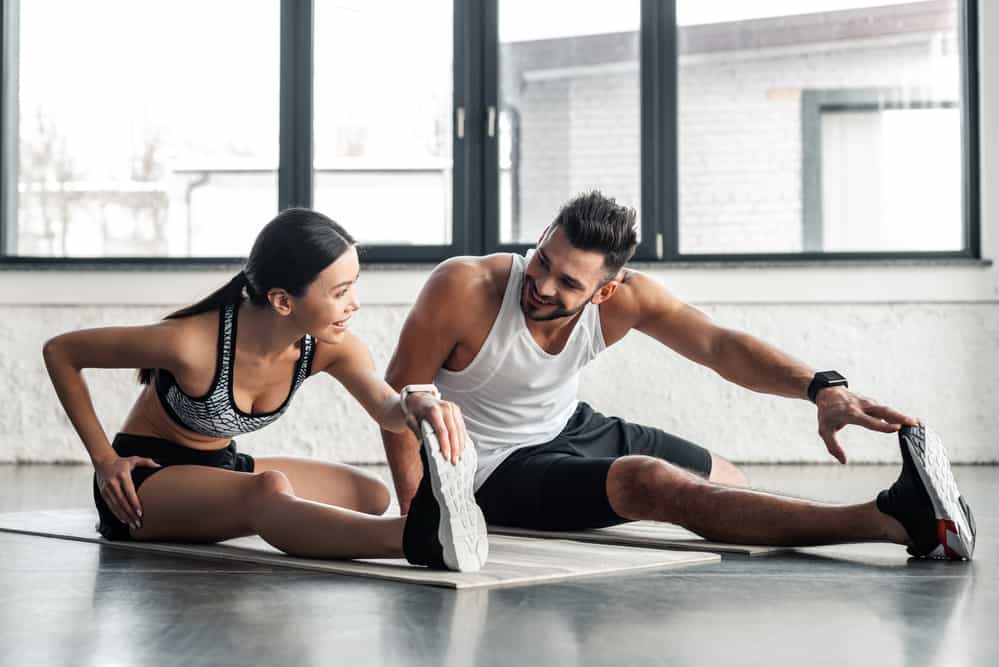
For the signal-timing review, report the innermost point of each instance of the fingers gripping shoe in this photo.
(445, 527)
(926, 501)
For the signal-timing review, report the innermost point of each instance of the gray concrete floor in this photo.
(66, 603)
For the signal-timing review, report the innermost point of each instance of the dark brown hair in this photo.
(289, 252)
(594, 222)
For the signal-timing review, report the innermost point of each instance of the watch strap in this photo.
(413, 389)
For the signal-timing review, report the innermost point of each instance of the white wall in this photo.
(932, 360)
(921, 336)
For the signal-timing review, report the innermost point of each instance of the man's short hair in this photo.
(594, 222)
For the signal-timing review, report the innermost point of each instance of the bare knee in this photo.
(382, 500)
(727, 473)
(265, 487)
(641, 487)
(375, 498)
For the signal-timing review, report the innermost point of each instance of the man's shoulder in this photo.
(479, 278)
(461, 296)
(633, 287)
(637, 295)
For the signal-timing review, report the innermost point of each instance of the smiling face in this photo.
(561, 279)
(330, 300)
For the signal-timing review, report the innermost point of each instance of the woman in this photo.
(231, 364)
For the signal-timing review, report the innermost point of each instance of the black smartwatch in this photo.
(824, 379)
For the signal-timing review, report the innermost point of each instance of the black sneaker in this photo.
(925, 499)
(445, 528)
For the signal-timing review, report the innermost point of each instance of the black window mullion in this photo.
(477, 32)
(658, 131)
(459, 126)
(295, 162)
(971, 200)
(490, 95)
(669, 159)
(9, 37)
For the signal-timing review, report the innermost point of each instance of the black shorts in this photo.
(165, 453)
(562, 484)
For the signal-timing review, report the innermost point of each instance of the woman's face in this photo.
(330, 300)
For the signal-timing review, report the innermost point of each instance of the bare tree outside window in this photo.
(136, 143)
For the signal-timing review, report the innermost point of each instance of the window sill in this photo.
(235, 264)
(170, 284)
(814, 263)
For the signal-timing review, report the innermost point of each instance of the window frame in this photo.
(475, 187)
(657, 143)
(815, 102)
(970, 199)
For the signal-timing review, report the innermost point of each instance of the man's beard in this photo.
(560, 310)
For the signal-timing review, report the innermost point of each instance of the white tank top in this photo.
(514, 394)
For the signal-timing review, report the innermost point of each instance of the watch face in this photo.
(824, 379)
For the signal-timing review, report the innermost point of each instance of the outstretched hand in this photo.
(839, 406)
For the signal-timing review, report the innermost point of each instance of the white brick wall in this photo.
(936, 361)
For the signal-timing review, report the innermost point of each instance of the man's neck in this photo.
(551, 330)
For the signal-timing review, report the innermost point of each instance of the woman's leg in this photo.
(202, 504)
(330, 483)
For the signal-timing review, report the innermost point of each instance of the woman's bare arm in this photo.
(155, 346)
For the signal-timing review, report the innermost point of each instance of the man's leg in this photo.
(725, 472)
(558, 491)
(546, 490)
(643, 487)
(562, 485)
(558, 487)
(594, 435)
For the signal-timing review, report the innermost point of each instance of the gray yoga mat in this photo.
(642, 534)
(512, 560)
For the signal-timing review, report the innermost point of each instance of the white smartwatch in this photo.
(413, 389)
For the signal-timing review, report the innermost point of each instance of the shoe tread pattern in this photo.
(462, 530)
(930, 457)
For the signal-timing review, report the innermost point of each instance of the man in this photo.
(504, 337)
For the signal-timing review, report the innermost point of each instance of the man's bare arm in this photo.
(428, 336)
(643, 304)
(748, 361)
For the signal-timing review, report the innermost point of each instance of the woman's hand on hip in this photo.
(114, 481)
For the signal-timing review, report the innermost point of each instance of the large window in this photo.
(759, 130)
(822, 126)
(135, 140)
(383, 100)
(569, 108)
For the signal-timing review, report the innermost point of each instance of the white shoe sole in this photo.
(955, 532)
(462, 530)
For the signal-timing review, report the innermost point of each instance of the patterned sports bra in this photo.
(215, 414)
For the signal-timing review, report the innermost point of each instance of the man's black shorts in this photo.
(562, 484)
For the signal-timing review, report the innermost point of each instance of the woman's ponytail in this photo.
(231, 292)
(288, 254)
